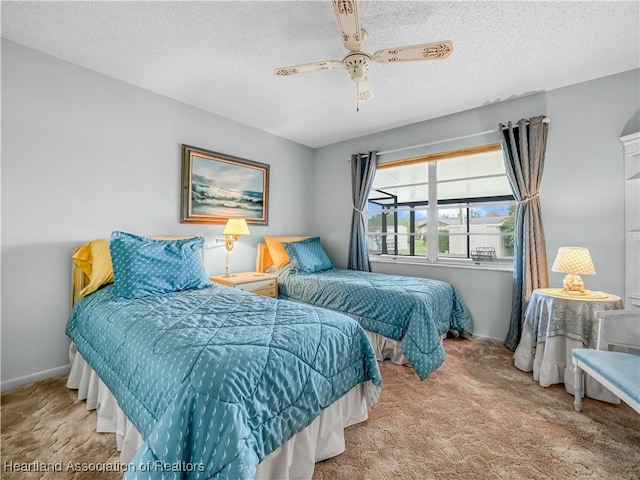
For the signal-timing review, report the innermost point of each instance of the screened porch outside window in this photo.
(452, 206)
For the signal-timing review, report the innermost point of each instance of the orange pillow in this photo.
(94, 259)
(276, 250)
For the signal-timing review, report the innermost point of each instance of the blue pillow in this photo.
(143, 266)
(307, 256)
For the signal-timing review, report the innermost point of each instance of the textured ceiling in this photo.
(220, 56)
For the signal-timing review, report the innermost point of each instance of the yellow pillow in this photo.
(276, 250)
(94, 259)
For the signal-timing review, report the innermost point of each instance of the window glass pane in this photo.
(450, 244)
(486, 163)
(483, 232)
(408, 183)
(374, 218)
(397, 237)
(452, 232)
(402, 239)
(380, 198)
(374, 244)
(472, 176)
(401, 175)
(413, 193)
(420, 248)
(479, 187)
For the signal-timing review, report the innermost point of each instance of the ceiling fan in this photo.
(357, 62)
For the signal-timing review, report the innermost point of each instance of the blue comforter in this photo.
(216, 379)
(415, 311)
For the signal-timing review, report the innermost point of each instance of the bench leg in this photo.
(578, 389)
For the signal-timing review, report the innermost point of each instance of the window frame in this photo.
(432, 206)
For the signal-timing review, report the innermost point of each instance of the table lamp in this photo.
(574, 261)
(232, 231)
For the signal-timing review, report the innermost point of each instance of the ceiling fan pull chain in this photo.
(357, 97)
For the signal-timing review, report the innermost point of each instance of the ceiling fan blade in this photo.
(424, 51)
(307, 67)
(364, 92)
(349, 23)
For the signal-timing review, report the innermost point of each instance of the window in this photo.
(449, 206)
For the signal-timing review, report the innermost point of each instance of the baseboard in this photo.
(487, 339)
(34, 377)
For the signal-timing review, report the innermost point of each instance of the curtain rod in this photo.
(411, 147)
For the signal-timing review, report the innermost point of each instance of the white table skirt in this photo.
(551, 363)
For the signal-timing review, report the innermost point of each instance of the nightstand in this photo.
(255, 282)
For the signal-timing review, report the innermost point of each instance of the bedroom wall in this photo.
(84, 154)
(581, 193)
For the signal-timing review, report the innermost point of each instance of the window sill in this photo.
(497, 266)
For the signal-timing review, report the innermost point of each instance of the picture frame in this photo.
(216, 187)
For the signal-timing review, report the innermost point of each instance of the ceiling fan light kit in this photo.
(357, 62)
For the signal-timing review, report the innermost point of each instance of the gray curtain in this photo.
(363, 170)
(524, 147)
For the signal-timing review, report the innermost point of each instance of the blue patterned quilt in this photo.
(415, 311)
(216, 379)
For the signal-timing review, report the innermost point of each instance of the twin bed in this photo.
(406, 318)
(204, 381)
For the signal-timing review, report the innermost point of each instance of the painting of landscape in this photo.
(221, 187)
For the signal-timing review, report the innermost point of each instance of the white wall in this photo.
(581, 192)
(84, 154)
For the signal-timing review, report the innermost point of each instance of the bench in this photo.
(617, 371)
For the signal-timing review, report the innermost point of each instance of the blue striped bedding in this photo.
(414, 311)
(215, 379)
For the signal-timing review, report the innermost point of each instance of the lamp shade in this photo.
(236, 226)
(573, 260)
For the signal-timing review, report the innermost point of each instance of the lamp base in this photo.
(573, 283)
(227, 275)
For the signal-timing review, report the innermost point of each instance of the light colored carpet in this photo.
(476, 417)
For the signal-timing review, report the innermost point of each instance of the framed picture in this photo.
(216, 187)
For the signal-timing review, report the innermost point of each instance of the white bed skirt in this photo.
(322, 439)
(387, 349)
